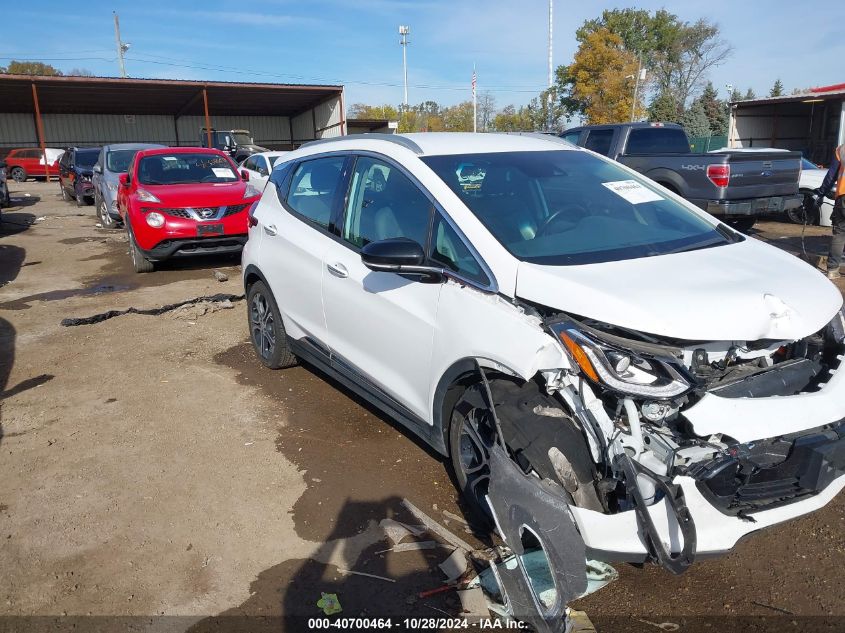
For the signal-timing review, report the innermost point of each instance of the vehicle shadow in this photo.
(285, 596)
(12, 223)
(20, 200)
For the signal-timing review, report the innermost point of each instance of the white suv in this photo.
(581, 342)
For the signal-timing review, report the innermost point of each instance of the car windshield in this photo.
(86, 158)
(118, 160)
(181, 169)
(242, 139)
(566, 207)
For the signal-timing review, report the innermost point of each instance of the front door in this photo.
(381, 325)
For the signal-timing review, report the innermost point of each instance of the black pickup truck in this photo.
(736, 187)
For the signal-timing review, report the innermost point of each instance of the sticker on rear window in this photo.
(222, 172)
(633, 191)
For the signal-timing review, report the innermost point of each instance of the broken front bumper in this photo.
(617, 537)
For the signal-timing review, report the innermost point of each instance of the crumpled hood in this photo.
(740, 292)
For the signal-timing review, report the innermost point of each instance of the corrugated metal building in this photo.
(812, 122)
(99, 110)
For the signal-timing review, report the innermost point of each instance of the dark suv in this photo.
(75, 171)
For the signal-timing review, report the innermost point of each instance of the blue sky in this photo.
(356, 42)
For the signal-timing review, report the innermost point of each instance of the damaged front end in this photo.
(647, 449)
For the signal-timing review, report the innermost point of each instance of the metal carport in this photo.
(67, 111)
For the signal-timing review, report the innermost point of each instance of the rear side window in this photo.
(313, 188)
(571, 137)
(657, 140)
(599, 141)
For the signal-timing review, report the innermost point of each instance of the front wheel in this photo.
(472, 434)
(266, 330)
(139, 263)
(743, 225)
(103, 213)
(18, 174)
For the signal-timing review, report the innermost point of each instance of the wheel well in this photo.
(251, 276)
(669, 186)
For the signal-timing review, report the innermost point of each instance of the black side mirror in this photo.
(398, 255)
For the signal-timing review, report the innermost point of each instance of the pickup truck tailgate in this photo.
(762, 174)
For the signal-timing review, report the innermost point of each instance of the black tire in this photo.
(806, 210)
(266, 330)
(18, 174)
(103, 213)
(743, 225)
(140, 264)
(472, 434)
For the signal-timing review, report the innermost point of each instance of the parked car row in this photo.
(610, 369)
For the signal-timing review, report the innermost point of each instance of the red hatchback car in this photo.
(29, 163)
(182, 201)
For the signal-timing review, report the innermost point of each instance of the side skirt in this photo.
(363, 388)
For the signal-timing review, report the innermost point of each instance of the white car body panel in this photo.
(404, 335)
(259, 180)
(812, 179)
(710, 294)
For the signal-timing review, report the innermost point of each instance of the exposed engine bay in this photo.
(612, 433)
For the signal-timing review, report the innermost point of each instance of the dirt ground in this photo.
(150, 466)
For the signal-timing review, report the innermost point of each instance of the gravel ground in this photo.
(150, 466)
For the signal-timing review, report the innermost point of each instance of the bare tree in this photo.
(681, 68)
(486, 110)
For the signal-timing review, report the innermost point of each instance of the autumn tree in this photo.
(777, 90)
(458, 118)
(31, 68)
(513, 119)
(364, 111)
(599, 82)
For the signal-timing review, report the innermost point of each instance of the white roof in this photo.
(438, 143)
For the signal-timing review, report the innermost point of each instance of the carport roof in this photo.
(111, 95)
(822, 93)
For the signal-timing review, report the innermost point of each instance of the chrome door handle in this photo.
(270, 229)
(338, 270)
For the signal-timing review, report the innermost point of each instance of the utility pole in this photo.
(121, 47)
(403, 33)
(549, 122)
(474, 103)
(640, 77)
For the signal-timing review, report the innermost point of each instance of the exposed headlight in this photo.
(619, 369)
(155, 220)
(146, 196)
(251, 192)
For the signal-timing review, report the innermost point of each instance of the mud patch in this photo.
(224, 301)
(24, 303)
(349, 452)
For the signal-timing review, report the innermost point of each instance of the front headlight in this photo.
(251, 192)
(146, 196)
(619, 369)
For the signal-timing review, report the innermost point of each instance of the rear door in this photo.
(296, 233)
(380, 324)
(600, 140)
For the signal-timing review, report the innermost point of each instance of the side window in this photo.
(450, 251)
(314, 186)
(249, 163)
(571, 137)
(261, 165)
(384, 203)
(599, 141)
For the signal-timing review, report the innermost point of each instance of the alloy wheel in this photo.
(476, 439)
(262, 325)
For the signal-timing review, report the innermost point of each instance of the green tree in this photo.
(695, 120)
(458, 118)
(749, 95)
(777, 90)
(642, 33)
(599, 82)
(364, 111)
(715, 109)
(664, 107)
(511, 119)
(31, 68)
(736, 95)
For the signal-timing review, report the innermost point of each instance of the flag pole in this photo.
(474, 103)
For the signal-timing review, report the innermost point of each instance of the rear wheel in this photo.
(806, 213)
(743, 225)
(139, 263)
(18, 174)
(266, 330)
